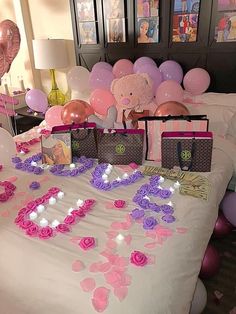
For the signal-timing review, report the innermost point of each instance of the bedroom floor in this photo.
(221, 289)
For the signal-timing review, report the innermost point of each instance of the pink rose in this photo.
(22, 211)
(9, 192)
(138, 258)
(25, 224)
(47, 196)
(78, 213)
(9, 186)
(3, 197)
(39, 201)
(89, 202)
(62, 228)
(54, 190)
(32, 231)
(85, 208)
(19, 219)
(0, 167)
(45, 233)
(69, 220)
(87, 243)
(31, 205)
(119, 203)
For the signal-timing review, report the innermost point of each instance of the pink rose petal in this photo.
(116, 225)
(181, 230)
(128, 239)
(75, 240)
(111, 244)
(104, 267)
(109, 205)
(151, 234)
(101, 293)
(133, 165)
(121, 262)
(44, 179)
(111, 234)
(88, 284)
(20, 193)
(99, 305)
(128, 218)
(112, 277)
(12, 179)
(77, 266)
(5, 213)
(94, 267)
(121, 293)
(151, 245)
(106, 253)
(151, 259)
(126, 280)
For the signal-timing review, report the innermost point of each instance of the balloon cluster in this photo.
(9, 45)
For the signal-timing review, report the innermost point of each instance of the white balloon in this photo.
(199, 298)
(7, 147)
(78, 78)
(85, 95)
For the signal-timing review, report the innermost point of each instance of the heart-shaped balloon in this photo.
(10, 44)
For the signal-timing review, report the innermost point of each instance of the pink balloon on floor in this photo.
(53, 116)
(122, 68)
(222, 226)
(169, 91)
(210, 263)
(101, 100)
(196, 81)
(172, 108)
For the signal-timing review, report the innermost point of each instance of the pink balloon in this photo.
(169, 91)
(141, 61)
(36, 100)
(53, 116)
(210, 263)
(102, 65)
(101, 100)
(196, 81)
(100, 79)
(153, 72)
(222, 226)
(122, 68)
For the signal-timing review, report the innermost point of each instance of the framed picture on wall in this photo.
(225, 30)
(85, 10)
(185, 20)
(226, 5)
(114, 9)
(87, 33)
(116, 30)
(147, 21)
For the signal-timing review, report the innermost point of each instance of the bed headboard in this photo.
(219, 59)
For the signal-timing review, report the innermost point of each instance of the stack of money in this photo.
(191, 183)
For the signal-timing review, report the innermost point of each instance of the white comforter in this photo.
(36, 275)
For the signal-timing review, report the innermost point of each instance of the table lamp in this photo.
(51, 54)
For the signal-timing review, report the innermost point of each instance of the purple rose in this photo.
(167, 209)
(144, 203)
(137, 213)
(154, 180)
(156, 208)
(34, 185)
(30, 168)
(149, 223)
(164, 194)
(74, 172)
(19, 165)
(16, 160)
(154, 191)
(38, 170)
(137, 198)
(168, 218)
(115, 184)
(144, 190)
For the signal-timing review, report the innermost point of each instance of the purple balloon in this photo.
(102, 66)
(154, 74)
(228, 206)
(222, 226)
(100, 79)
(36, 100)
(210, 263)
(141, 61)
(171, 70)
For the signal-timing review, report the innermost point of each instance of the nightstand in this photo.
(25, 120)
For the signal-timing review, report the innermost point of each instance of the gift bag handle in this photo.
(179, 151)
(86, 135)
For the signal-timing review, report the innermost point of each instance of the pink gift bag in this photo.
(155, 126)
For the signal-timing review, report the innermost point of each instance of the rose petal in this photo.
(128, 239)
(126, 225)
(181, 230)
(111, 234)
(99, 305)
(94, 267)
(12, 179)
(151, 259)
(151, 234)
(112, 277)
(111, 244)
(104, 267)
(121, 261)
(75, 240)
(88, 284)
(101, 293)
(151, 245)
(109, 205)
(121, 293)
(77, 266)
(116, 225)
(44, 179)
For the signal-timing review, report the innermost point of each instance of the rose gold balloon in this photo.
(75, 111)
(9, 39)
(89, 109)
(4, 66)
(172, 108)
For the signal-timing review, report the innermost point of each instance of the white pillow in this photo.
(221, 99)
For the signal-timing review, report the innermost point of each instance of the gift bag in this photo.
(83, 138)
(120, 147)
(191, 151)
(154, 126)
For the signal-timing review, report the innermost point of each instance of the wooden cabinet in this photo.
(219, 59)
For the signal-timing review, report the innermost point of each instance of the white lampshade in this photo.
(50, 53)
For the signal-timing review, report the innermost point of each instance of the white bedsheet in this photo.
(36, 275)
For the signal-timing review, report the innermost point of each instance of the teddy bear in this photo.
(134, 96)
(134, 99)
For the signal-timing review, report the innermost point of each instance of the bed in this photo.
(57, 276)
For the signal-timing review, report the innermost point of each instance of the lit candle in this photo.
(161, 180)
(60, 195)
(33, 216)
(177, 185)
(72, 166)
(55, 223)
(43, 222)
(119, 238)
(40, 208)
(70, 210)
(79, 202)
(52, 200)
(172, 190)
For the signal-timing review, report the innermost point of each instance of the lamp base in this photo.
(56, 97)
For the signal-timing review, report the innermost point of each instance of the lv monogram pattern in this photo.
(84, 143)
